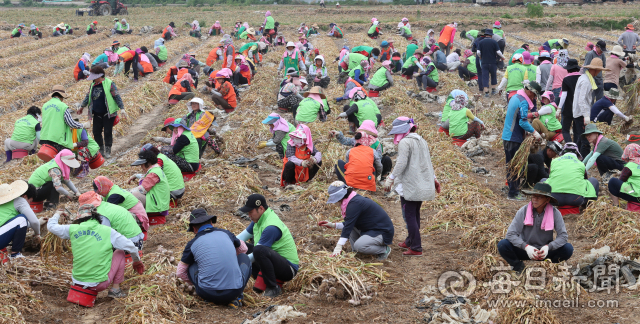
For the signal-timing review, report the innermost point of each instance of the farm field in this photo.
(460, 228)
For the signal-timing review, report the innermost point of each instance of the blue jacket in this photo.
(369, 218)
(102, 58)
(440, 57)
(515, 123)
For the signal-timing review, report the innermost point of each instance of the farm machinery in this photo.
(104, 8)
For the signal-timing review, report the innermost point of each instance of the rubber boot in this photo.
(101, 150)
(107, 152)
(9, 156)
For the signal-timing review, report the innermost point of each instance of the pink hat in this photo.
(224, 73)
(497, 24)
(468, 53)
(368, 127)
(373, 19)
(527, 58)
(354, 91)
(386, 64)
(589, 46)
(405, 19)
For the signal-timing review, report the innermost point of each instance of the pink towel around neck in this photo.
(547, 221)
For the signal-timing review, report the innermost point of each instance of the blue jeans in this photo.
(513, 255)
(224, 296)
(556, 93)
(14, 230)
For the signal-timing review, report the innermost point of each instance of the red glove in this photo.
(139, 267)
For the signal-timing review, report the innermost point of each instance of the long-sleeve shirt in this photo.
(628, 40)
(487, 51)
(556, 75)
(291, 155)
(520, 235)
(22, 206)
(68, 119)
(368, 218)
(57, 179)
(96, 93)
(351, 142)
(301, 65)
(152, 60)
(515, 122)
(170, 30)
(118, 241)
(377, 160)
(582, 98)
(269, 235)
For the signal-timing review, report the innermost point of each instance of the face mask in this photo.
(39, 118)
(298, 141)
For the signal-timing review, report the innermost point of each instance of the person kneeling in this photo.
(569, 180)
(302, 161)
(530, 235)
(363, 163)
(366, 224)
(214, 261)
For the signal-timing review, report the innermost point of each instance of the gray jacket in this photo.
(413, 169)
(629, 39)
(520, 235)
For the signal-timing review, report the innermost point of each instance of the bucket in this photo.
(459, 142)
(475, 77)
(81, 296)
(558, 137)
(4, 256)
(19, 154)
(128, 261)
(145, 236)
(173, 203)
(37, 206)
(633, 206)
(173, 101)
(568, 210)
(259, 285)
(186, 176)
(97, 161)
(47, 152)
(373, 93)
(431, 89)
(442, 130)
(116, 121)
(157, 220)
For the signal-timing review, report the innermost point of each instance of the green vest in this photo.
(473, 33)
(159, 195)
(518, 51)
(244, 35)
(121, 219)
(270, 24)
(287, 138)
(458, 122)
(92, 146)
(285, 246)
(549, 120)
(173, 173)
(407, 31)
(372, 29)
(379, 78)
(89, 27)
(41, 174)
(411, 61)
(411, 48)
(472, 65)
(162, 54)
(567, 176)
(361, 48)
(121, 50)
(447, 109)
(111, 103)
(531, 72)
(367, 110)
(7, 212)
(554, 43)
(516, 76)
(92, 251)
(352, 73)
(339, 30)
(191, 152)
(355, 59)
(53, 126)
(247, 46)
(375, 146)
(291, 62)
(15, 32)
(24, 130)
(434, 73)
(498, 32)
(119, 26)
(129, 199)
(630, 187)
(308, 110)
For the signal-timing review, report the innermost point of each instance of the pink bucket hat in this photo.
(373, 19)
(527, 58)
(405, 19)
(468, 53)
(387, 65)
(549, 95)
(353, 92)
(368, 127)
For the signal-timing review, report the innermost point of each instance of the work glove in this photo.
(215, 92)
(536, 135)
(337, 250)
(270, 143)
(586, 121)
(533, 115)
(543, 252)
(305, 163)
(388, 183)
(139, 267)
(85, 72)
(327, 224)
(628, 118)
(531, 252)
(333, 133)
(342, 115)
(157, 138)
(438, 187)
(558, 113)
(262, 145)
(312, 160)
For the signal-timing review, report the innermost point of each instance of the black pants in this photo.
(374, 34)
(464, 73)
(513, 255)
(489, 71)
(606, 164)
(100, 124)
(34, 33)
(387, 165)
(535, 173)
(567, 199)
(289, 173)
(609, 85)
(155, 57)
(47, 192)
(167, 36)
(566, 127)
(182, 96)
(127, 66)
(410, 71)
(239, 79)
(501, 44)
(384, 87)
(605, 116)
(479, 69)
(224, 296)
(272, 265)
(614, 188)
(441, 66)
(14, 231)
(578, 130)
(427, 82)
(510, 149)
(91, 32)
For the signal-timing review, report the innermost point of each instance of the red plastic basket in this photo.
(186, 176)
(633, 206)
(157, 220)
(37, 206)
(568, 210)
(81, 296)
(19, 154)
(173, 203)
(373, 93)
(442, 130)
(47, 152)
(459, 142)
(97, 161)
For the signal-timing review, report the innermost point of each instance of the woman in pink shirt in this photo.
(557, 74)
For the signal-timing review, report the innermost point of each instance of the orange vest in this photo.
(387, 51)
(172, 71)
(359, 171)
(164, 31)
(445, 37)
(128, 55)
(247, 74)
(181, 73)
(233, 58)
(213, 57)
(76, 70)
(147, 67)
(231, 95)
(177, 89)
(366, 92)
(302, 173)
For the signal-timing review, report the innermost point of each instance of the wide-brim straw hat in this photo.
(596, 64)
(251, 31)
(59, 89)
(617, 50)
(315, 90)
(542, 189)
(315, 26)
(9, 192)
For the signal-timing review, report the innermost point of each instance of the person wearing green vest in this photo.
(48, 179)
(318, 73)
(467, 69)
(374, 31)
(335, 31)
(444, 120)
(170, 169)
(627, 185)
(411, 48)
(313, 107)
(428, 79)
(57, 121)
(606, 154)
(291, 58)
(361, 108)
(104, 103)
(123, 27)
(16, 216)
(471, 34)
(125, 199)
(567, 179)
(514, 77)
(161, 51)
(313, 30)
(405, 31)
(280, 128)
(153, 186)
(274, 253)
(368, 127)
(92, 28)
(351, 60)
(522, 49)
(26, 133)
(183, 149)
(412, 65)
(544, 120)
(115, 216)
(86, 149)
(269, 26)
(556, 44)
(17, 32)
(382, 79)
(367, 51)
(532, 70)
(462, 123)
(98, 251)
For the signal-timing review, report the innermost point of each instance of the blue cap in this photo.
(146, 147)
(384, 44)
(270, 120)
